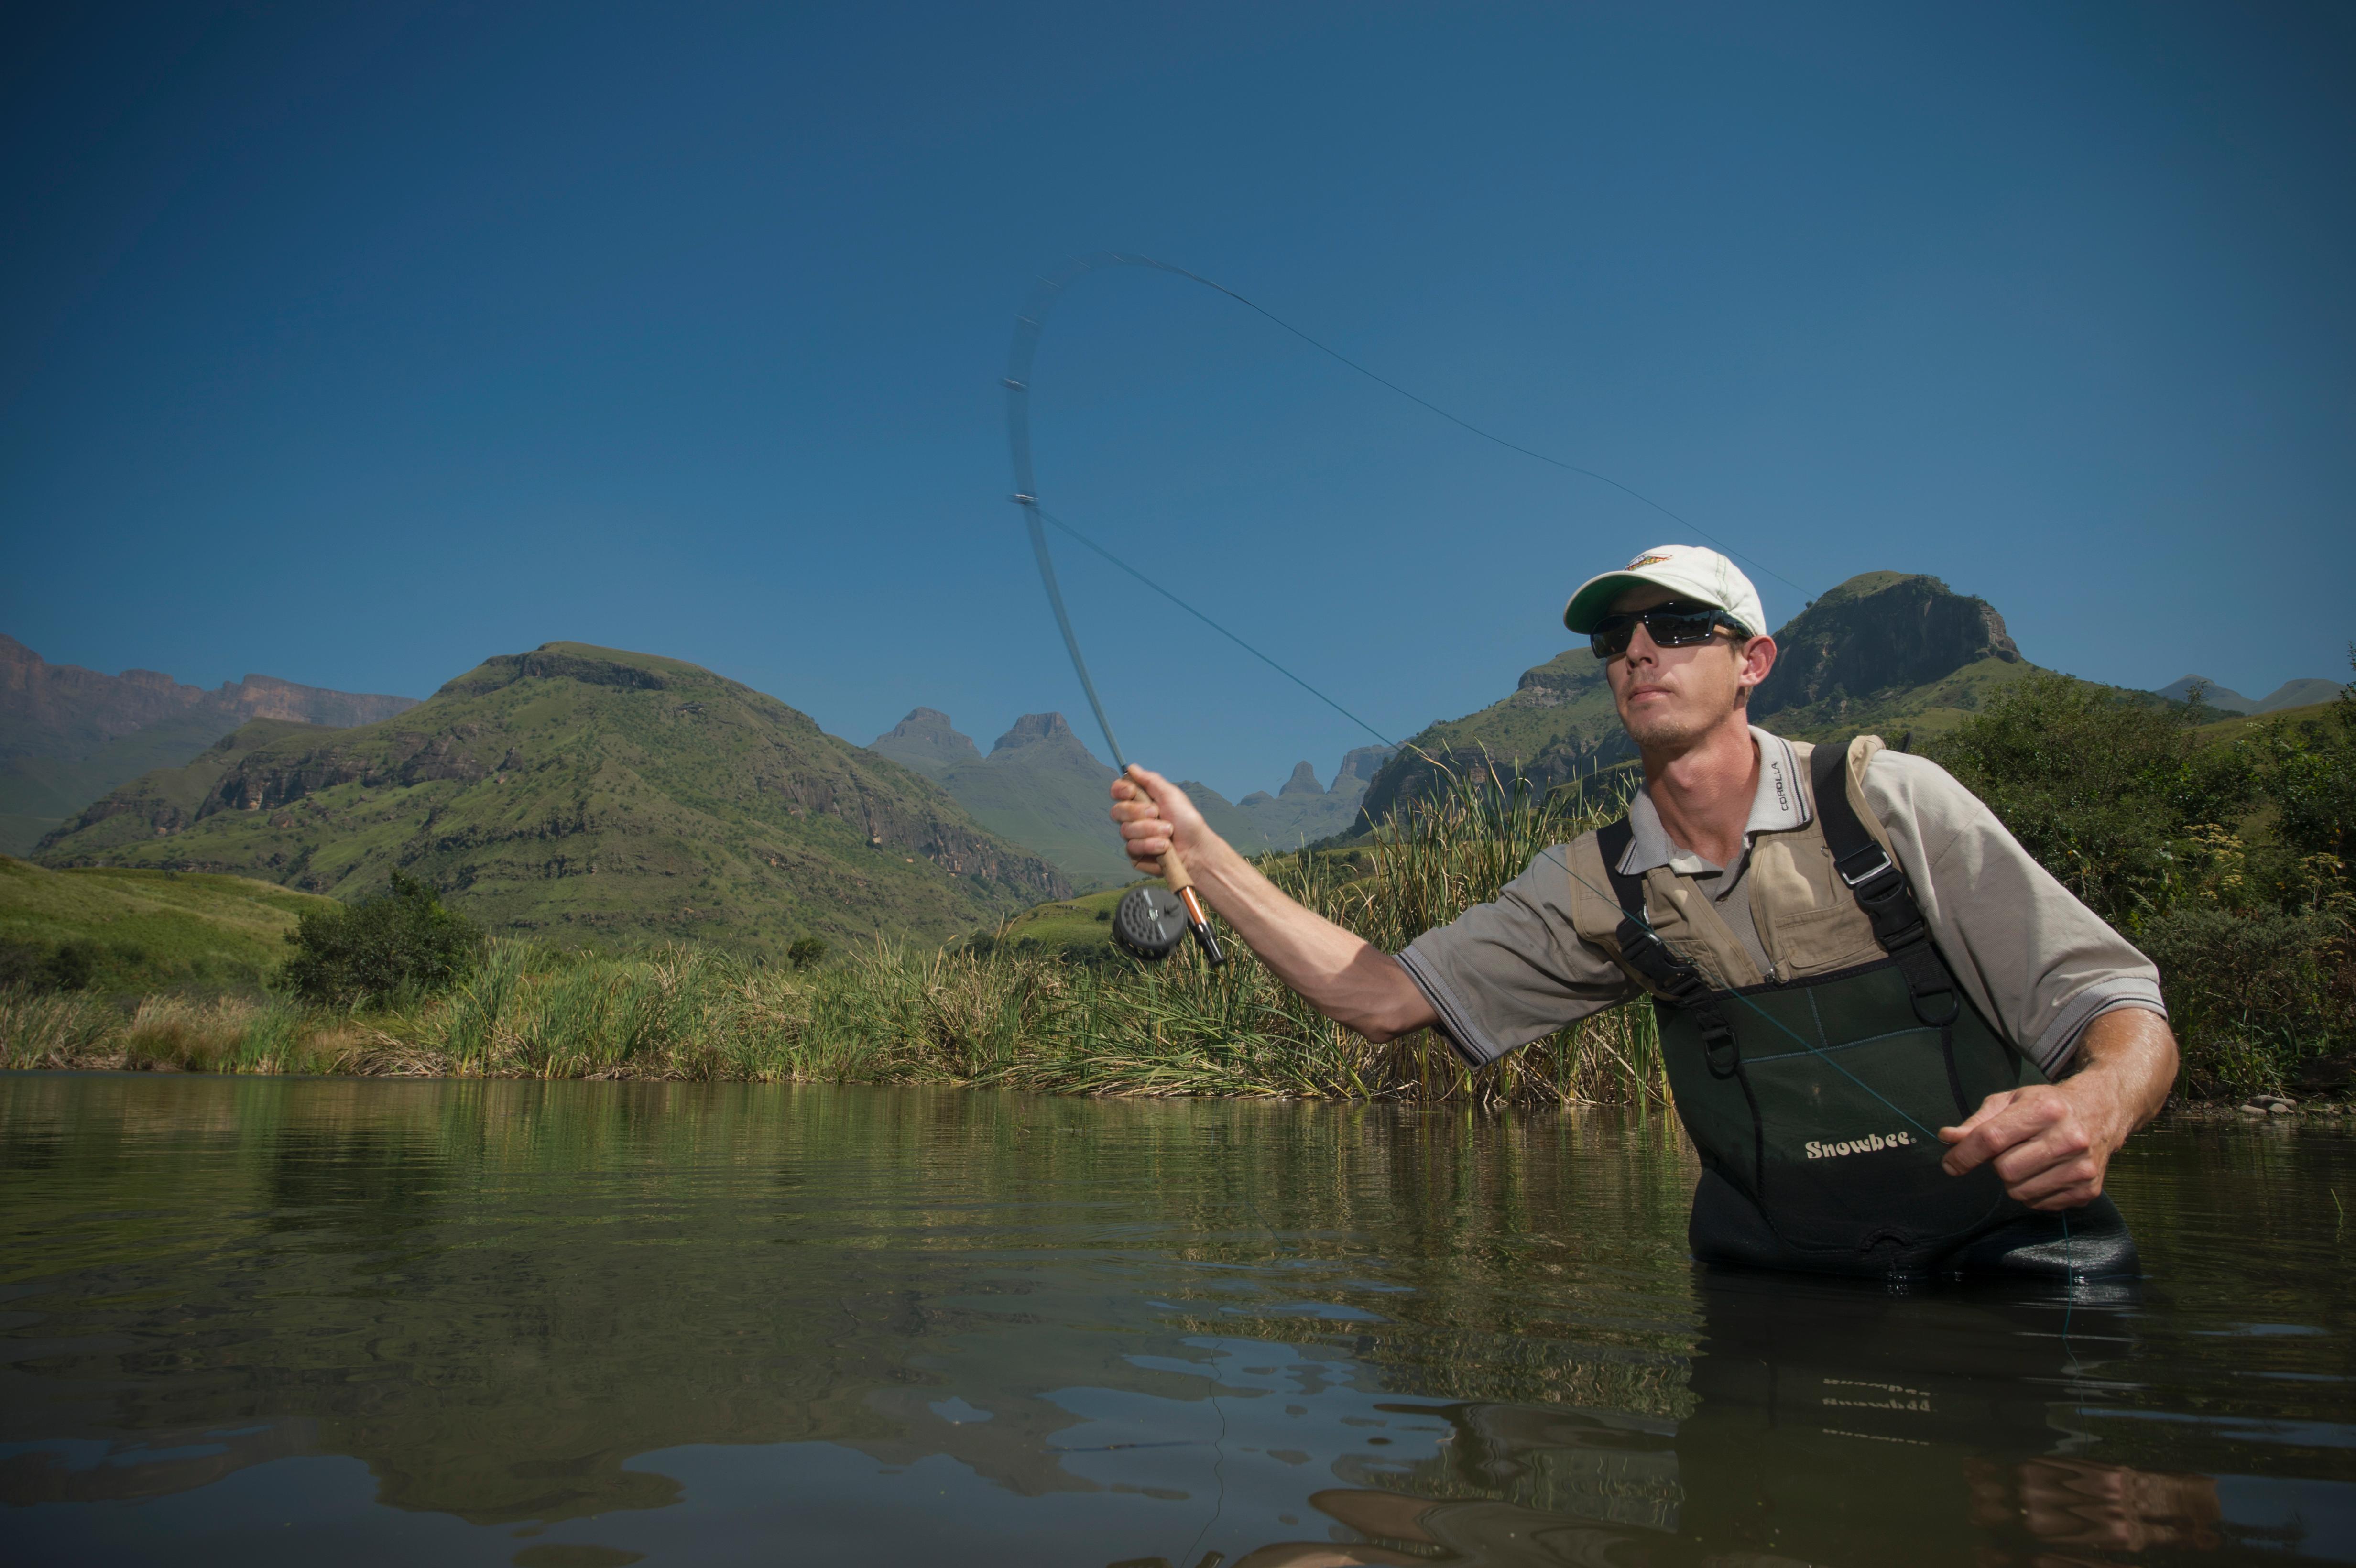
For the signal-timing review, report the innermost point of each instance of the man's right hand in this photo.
(1151, 814)
(1349, 980)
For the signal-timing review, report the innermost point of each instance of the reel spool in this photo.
(1149, 923)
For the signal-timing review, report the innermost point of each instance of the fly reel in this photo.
(1150, 922)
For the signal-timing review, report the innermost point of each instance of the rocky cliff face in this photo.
(61, 710)
(1880, 633)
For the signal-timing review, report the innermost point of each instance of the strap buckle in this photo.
(1880, 863)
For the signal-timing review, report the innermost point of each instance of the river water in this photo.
(563, 1326)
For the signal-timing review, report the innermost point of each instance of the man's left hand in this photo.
(2045, 1149)
(2051, 1143)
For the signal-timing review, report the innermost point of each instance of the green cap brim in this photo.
(1593, 601)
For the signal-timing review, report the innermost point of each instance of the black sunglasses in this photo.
(1671, 626)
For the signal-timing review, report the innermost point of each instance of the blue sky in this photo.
(353, 345)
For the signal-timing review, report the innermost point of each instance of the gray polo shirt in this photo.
(2037, 963)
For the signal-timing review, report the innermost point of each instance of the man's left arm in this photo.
(2052, 1142)
(2051, 974)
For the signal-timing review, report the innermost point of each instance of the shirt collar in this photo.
(1779, 806)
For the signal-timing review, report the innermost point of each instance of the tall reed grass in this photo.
(983, 1015)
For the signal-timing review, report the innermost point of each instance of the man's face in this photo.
(1671, 697)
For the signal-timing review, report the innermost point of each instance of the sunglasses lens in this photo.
(1680, 631)
(1611, 636)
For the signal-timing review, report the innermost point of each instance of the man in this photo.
(1900, 1045)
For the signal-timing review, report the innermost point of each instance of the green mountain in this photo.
(1889, 652)
(68, 735)
(582, 793)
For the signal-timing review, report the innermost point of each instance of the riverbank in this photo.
(986, 1013)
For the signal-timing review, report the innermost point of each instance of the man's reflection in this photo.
(2075, 1502)
(1833, 1425)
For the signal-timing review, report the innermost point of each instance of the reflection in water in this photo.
(582, 1323)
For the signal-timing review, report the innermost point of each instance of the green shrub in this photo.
(35, 966)
(2263, 997)
(807, 951)
(2308, 770)
(400, 945)
(2101, 788)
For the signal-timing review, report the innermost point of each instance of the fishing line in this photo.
(1239, 642)
(1026, 340)
(1021, 354)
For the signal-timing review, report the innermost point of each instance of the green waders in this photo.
(1813, 1102)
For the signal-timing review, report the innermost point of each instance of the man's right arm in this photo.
(1345, 976)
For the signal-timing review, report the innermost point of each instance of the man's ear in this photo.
(1758, 659)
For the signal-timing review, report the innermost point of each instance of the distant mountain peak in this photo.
(2226, 699)
(69, 735)
(926, 741)
(1303, 781)
(1035, 729)
(2213, 693)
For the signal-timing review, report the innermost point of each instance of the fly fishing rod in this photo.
(1150, 921)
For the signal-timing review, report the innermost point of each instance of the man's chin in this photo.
(1658, 729)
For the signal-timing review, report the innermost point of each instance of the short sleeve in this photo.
(1503, 975)
(2039, 963)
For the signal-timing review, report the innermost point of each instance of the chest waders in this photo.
(1817, 1136)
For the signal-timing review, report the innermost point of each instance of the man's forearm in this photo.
(1342, 974)
(2127, 1067)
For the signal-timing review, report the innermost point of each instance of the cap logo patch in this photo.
(1643, 560)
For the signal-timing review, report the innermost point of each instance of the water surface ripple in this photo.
(568, 1325)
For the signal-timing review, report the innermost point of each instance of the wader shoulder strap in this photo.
(1880, 886)
(1650, 960)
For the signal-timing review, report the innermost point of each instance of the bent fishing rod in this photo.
(1148, 921)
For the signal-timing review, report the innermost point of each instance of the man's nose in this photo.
(1641, 649)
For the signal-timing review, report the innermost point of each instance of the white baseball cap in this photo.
(1687, 570)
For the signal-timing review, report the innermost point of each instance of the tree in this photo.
(403, 943)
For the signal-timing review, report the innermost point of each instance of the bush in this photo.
(2264, 997)
(2308, 770)
(2101, 788)
(807, 951)
(401, 946)
(68, 967)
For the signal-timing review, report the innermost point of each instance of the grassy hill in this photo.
(583, 794)
(145, 930)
